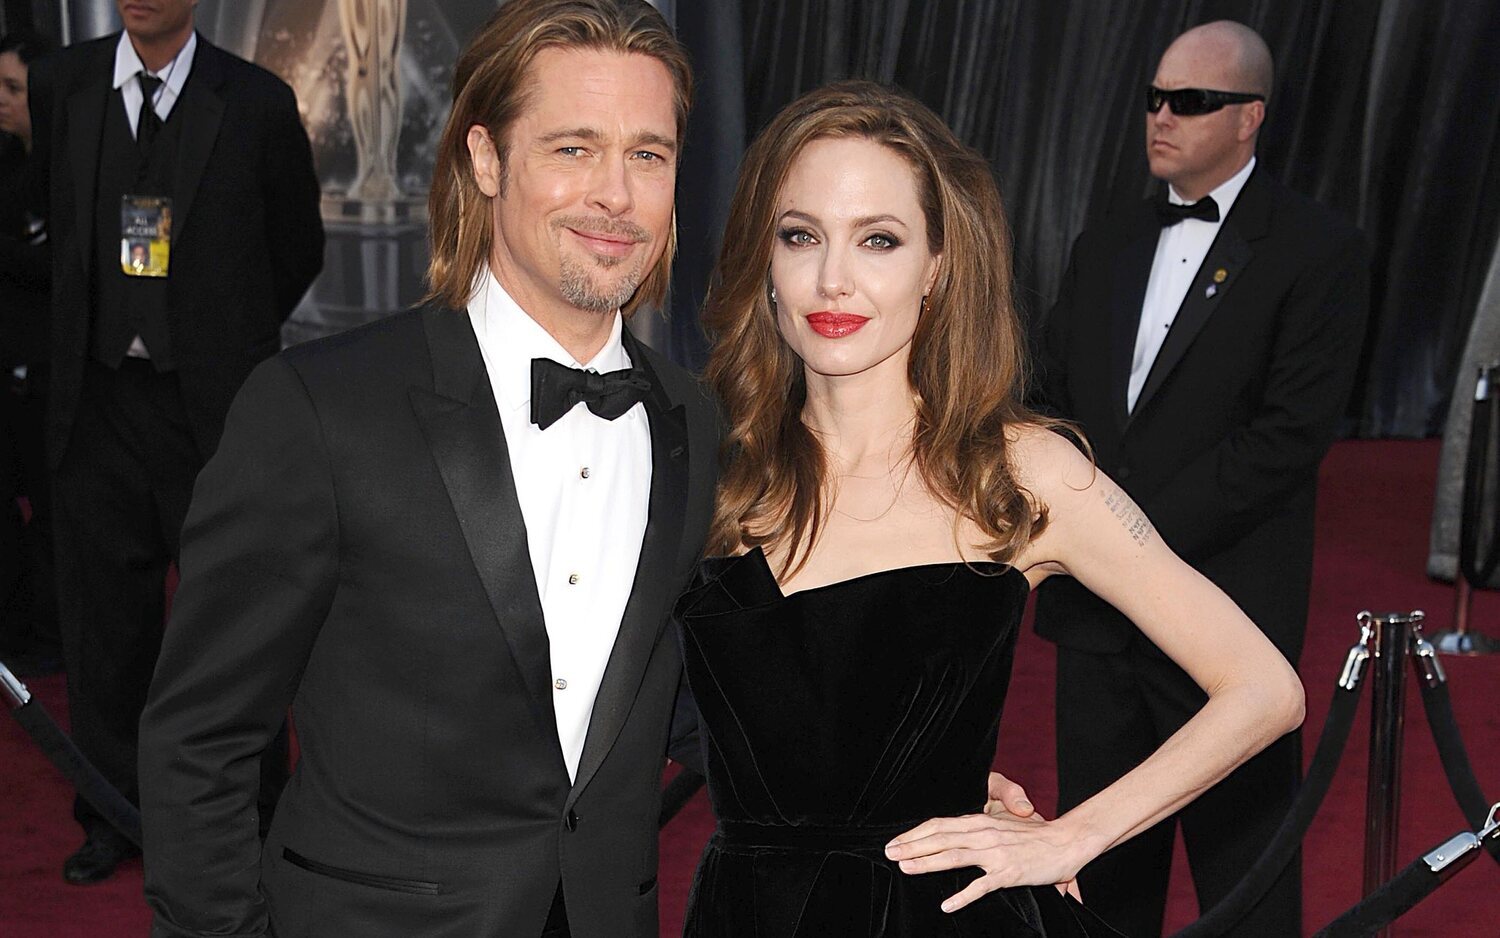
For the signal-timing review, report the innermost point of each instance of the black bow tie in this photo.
(1170, 213)
(556, 388)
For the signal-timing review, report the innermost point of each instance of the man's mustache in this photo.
(604, 228)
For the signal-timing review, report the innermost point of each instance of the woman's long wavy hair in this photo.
(491, 85)
(967, 367)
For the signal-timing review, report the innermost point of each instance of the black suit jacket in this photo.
(247, 236)
(356, 549)
(1242, 402)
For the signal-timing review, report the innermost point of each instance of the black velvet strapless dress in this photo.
(837, 718)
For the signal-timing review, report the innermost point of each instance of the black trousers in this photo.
(121, 494)
(1112, 712)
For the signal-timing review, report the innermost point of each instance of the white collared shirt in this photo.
(1180, 251)
(584, 485)
(128, 67)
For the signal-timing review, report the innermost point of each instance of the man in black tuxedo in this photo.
(459, 580)
(152, 133)
(1206, 344)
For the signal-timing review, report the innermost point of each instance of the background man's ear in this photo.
(1252, 119)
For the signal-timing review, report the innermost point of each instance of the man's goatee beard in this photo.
(580, 290)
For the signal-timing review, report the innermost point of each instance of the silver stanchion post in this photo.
(1392, 633)
(1461, 639)
(1479, 528)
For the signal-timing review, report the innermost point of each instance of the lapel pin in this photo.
(1212, 289)
(1221, 275)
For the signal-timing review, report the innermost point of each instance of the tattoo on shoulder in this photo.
(1135, 521)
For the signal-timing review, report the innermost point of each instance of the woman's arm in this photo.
(1099, 536)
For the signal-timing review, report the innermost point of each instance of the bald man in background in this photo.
(1206, 343)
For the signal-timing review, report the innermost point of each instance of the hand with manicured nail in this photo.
(1010, 849)
(1008, 799)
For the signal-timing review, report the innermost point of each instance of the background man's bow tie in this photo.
(556, 388)
(1170, 213)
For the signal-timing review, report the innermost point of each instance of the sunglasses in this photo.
(1189, 102)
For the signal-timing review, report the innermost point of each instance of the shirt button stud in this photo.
(572, 579)
(560, 683)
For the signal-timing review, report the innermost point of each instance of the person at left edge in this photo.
(144, 368)
(29, 641)
(458, 579)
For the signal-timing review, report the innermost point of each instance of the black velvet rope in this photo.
(1397, 897)
(1455, 758)
(1253, 887)
(1413, 884)
(91, 786)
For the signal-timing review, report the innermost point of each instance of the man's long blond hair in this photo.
(491, 88)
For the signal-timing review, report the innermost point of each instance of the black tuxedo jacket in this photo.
(356, 549)
(247, 237)
(1242, 402)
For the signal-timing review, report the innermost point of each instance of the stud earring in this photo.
(773, 296)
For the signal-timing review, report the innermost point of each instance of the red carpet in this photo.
(1372, 536)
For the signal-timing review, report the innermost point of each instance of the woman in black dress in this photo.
(886, 505)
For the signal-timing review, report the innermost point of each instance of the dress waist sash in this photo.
(812, 838)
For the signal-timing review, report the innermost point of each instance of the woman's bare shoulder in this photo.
(1048, 464)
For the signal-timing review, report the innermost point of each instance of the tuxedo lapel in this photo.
(1226, 259)
(650, 595)
(462, 424)
(85, 137)
(202, 111)
(1130, 276)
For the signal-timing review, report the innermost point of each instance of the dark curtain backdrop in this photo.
(1386, 110)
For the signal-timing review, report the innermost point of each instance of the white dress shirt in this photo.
(128, 67)
(1180, 251)
(584, 484)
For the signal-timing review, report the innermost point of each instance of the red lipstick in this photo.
(834, 325)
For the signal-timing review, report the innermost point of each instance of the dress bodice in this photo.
(872, 701)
